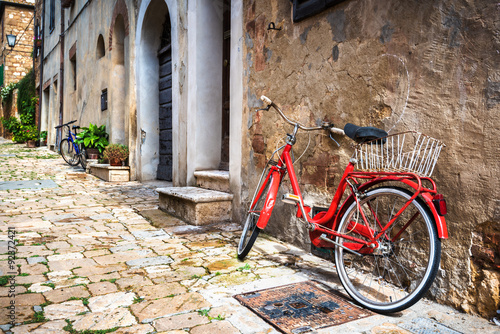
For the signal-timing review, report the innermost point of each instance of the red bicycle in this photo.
(385, 236)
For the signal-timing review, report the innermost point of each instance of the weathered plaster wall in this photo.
(349, 64)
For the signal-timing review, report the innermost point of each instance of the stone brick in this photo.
(60, 295)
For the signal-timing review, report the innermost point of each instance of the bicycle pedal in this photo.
(290, 199)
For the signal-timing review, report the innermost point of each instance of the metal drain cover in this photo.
(301, 307)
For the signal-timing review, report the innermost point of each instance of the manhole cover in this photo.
(301, 307)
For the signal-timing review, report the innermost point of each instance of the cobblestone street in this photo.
(95, 255)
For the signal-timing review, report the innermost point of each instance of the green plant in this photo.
(116, 151)
(43, 135)
(6, 92)
(11, 124)
(31, 132)
(93, 137)
(26, 91)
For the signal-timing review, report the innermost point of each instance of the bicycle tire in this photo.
(250, 229)
(403, 268)
(68, 152)
(83, 156)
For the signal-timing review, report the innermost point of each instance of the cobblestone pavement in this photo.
(100, 256)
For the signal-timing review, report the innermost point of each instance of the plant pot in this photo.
(92, 151)
(115, 162)
(93, 156)
(44, 143)
(30, 143)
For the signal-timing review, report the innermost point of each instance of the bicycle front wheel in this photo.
(402, 268)
(68, 152)
(250, 229)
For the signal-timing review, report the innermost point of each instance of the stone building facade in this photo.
(17, 19)
(201, 66)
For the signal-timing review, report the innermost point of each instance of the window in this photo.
(305, 8)
(52, 15)
(101, 50)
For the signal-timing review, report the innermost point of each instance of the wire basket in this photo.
(406, 152)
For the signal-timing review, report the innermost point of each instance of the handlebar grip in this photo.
(337, 131)
(266, 100)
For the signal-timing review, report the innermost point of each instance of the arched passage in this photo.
(157, 107)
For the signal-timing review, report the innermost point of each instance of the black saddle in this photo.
(363, 134)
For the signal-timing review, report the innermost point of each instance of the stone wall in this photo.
(18, 61)
(424, 65)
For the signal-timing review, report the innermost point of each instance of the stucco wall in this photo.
(350, 64)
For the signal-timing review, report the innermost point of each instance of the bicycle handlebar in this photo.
(325, 126)
(66, 124)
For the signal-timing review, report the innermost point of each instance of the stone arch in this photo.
(120, 9)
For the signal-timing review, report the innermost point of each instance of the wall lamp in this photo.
(11, 40)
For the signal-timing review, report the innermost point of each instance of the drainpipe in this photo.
(40, 57)
(61, 78)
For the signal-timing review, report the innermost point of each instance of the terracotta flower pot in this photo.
(115, 162)
(30, 143)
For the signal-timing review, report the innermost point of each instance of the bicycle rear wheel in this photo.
(83, 156)
(401, 270)
(68, 152)
(250, 230)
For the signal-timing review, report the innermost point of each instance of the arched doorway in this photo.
(164, 171)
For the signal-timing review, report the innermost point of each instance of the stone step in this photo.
(196, 206)
(213, 179)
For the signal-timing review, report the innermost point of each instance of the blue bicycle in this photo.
(72, 152)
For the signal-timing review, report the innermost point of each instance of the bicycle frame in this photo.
(70, 137)
(326, 223)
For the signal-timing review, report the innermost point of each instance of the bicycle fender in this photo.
(440, 221)
(442, 229)
(265, 214)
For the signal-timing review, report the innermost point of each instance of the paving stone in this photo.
(72, 282)
(124, 248)
(181, 321)
(30, 279)
(60, 295)
(24, 328)
(57, 276)
(218, 327)
(39, 287)
(111, 301)
(63, 257)
(64, 310)
(122, 256)
(388, 328)
(160, 290)
(34, 260)
(162, 274)
(99, 269)
(149, 310)
(22, 313)
(150, 261)
(71, 264)
(97, 252)
(28, 299)
(102, 288)
(158, 234)
(104, 277)
(136, 329)
(4, 291)
(51, 327)
(117, 317)
(133, 282)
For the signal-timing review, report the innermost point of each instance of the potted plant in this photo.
(31, 134)
(94, 138)
(43, 138)
(116, 154)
